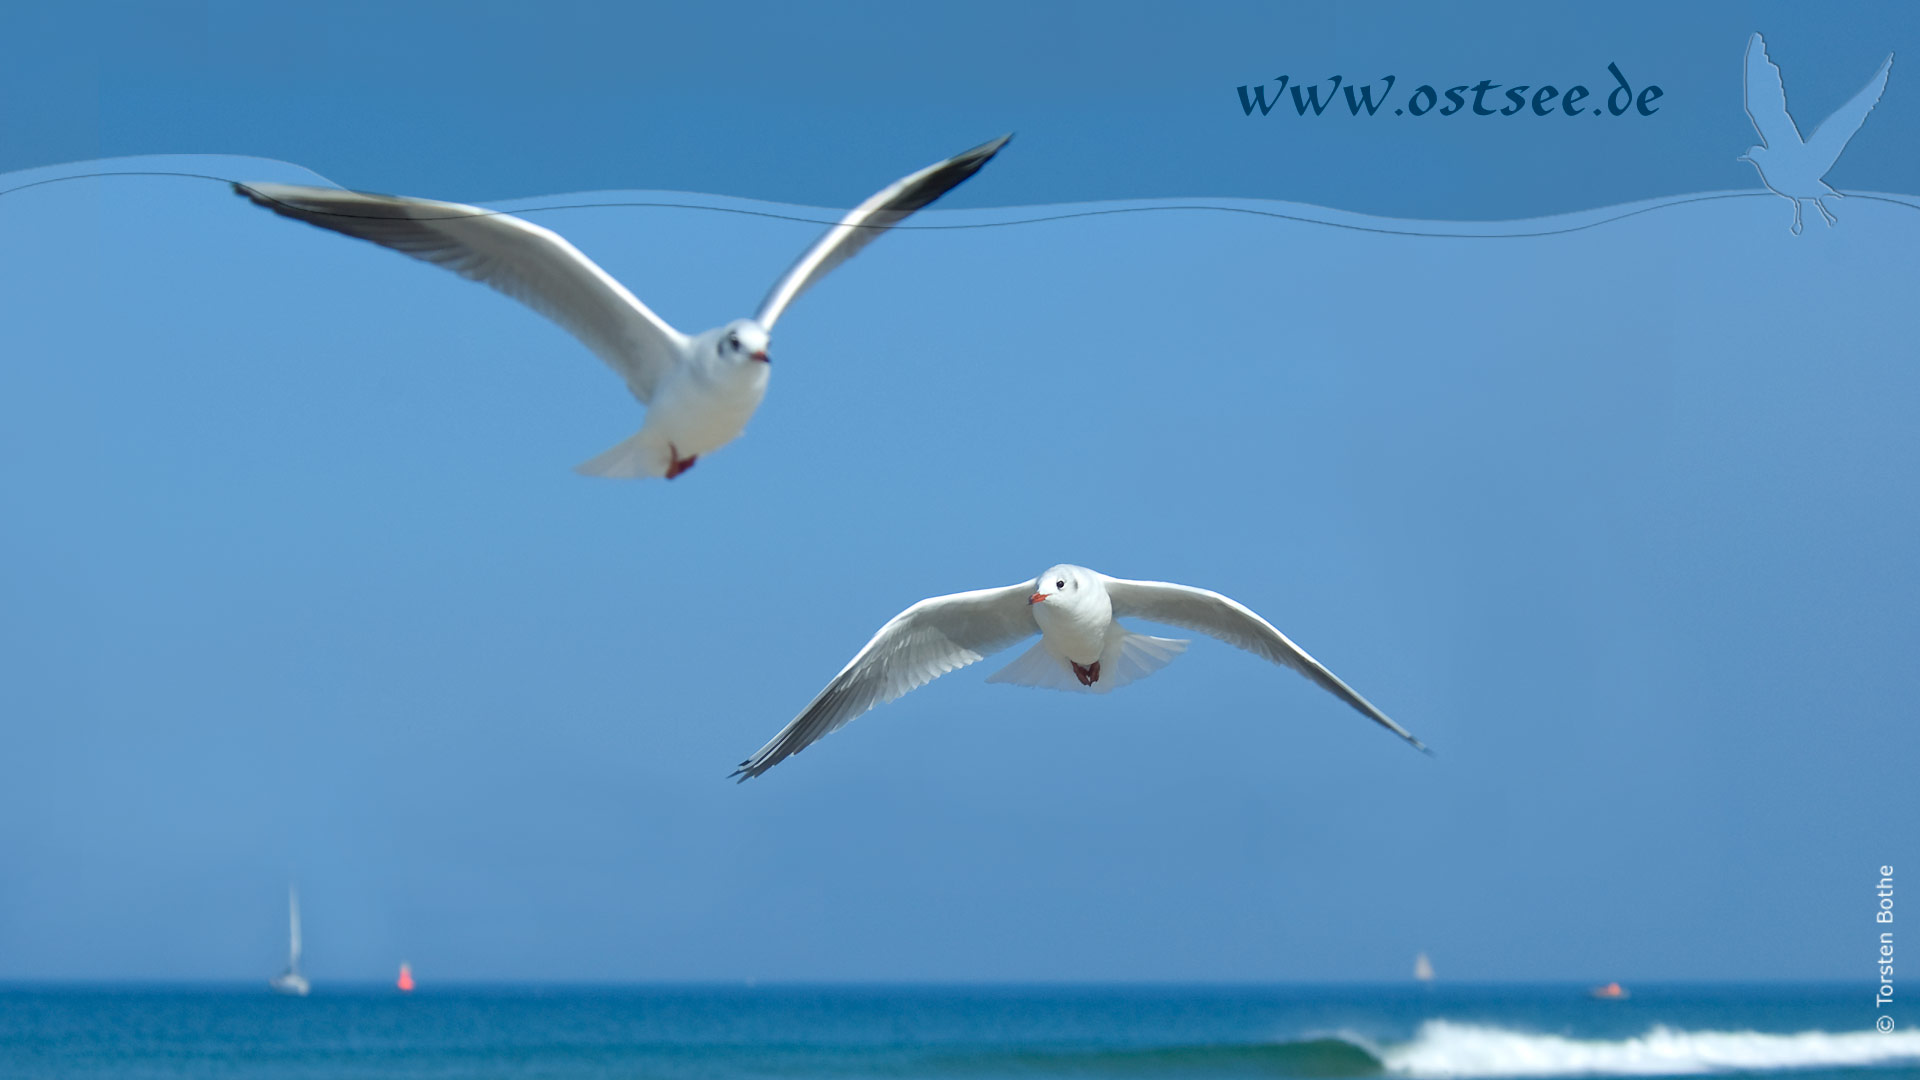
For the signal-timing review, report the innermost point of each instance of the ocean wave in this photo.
(1447, 1049)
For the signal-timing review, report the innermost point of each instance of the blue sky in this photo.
(299, 584)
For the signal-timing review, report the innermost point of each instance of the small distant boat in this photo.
(291, 981)
(1613, 991)
(405, 982)
(1423, 968)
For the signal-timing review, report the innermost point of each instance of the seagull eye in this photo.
(1059, 584)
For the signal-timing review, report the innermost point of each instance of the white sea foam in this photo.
(1446, 1049)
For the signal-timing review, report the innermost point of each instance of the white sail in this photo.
(291, 981)
(293, 930)
(1423, 968)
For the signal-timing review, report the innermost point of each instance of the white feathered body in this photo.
(701, 405)
(1076, 627)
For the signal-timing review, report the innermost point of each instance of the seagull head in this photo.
(1753, 157)
(1065, 585)
(744, 340)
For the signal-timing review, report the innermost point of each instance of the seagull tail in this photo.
(636, 456)
(1038, 667)
(1130, 656)
(1127, 657)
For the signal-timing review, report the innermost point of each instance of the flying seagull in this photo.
(1790, 166)
(700, 391)
(1082, 647)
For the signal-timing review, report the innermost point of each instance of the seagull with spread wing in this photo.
(700, 391)
(1790, 166)
(1082, 648)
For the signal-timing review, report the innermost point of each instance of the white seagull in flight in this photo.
(1790, 166)
(700, 391)
(1082, 647)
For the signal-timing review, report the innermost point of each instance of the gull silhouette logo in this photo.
(1792, 166)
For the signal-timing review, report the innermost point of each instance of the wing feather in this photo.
(1766, 98)
(914, 648)
(1833, 134)
(864, 224)
(1230, 621)
(533, 265)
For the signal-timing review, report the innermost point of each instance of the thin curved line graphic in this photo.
(1681, 200)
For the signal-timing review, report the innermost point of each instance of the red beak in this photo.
(1036, 598)
(762, 357)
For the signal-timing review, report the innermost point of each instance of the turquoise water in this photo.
(723, 1032)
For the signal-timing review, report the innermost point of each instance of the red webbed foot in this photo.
(680, 464)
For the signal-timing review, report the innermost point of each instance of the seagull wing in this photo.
(533, 265)
(1766, 98)
(919, 645)
(864, 223)
(1833, 134)
(1234, 623)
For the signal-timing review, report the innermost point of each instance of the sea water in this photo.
(912, 1031)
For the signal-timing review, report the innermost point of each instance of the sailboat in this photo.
(1423, 969)
(291, 981)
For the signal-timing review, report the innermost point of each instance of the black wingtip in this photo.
(256, 196)
(983, 153)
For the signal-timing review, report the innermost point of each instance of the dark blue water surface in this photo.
(738, 1031)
